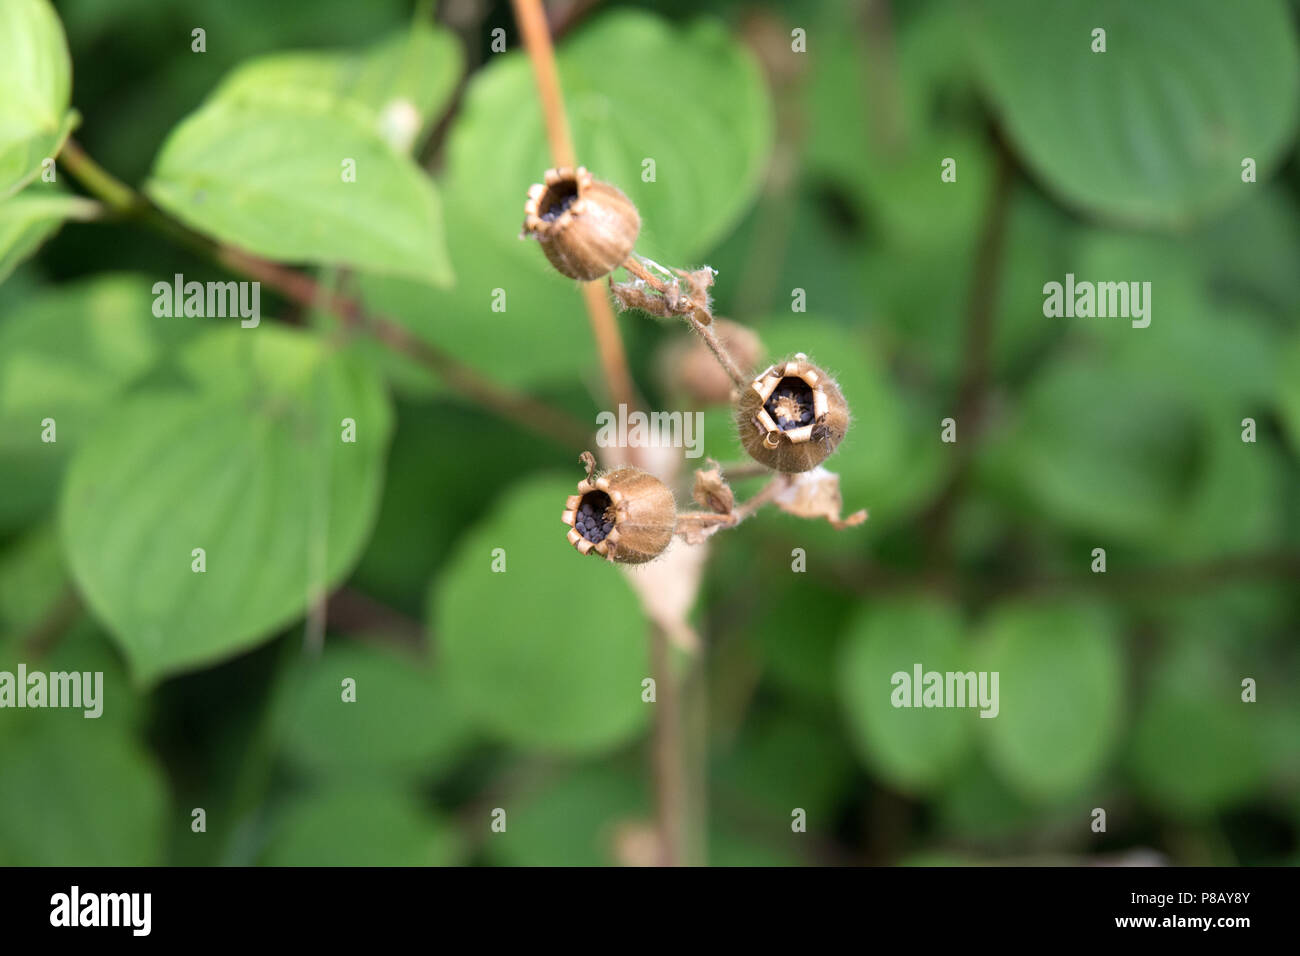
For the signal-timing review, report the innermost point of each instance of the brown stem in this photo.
(303, 290)
(972, 393)
(357, 613)
(565, 16)
(669, 752)
(531, 18)
(739, 471)
(719, 350)
(868, 578)
(634, 266)
(699, 319)
(1158, 582)
(760, 498)
(883, 91)
(688, 521)
(609, 345)
(58, 618)
(509, 404)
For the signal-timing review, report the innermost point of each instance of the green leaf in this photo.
(1060, 678)
(35, 90)
(1153, 130)
(66, 354)
(636, 88)
(360, 825)
(79, 792)
(923, 300)
(550, 653)
(881, 122)
(412, 72)
(1249, 255)
(30, 218)
(247, 464)
(980, 807)
(1236, 503)
(267, 174)
(805, 666)
(1098, 446)
(913, 748)
(783, 761)
(1196, 747)
(400, 724)
(1200, 345)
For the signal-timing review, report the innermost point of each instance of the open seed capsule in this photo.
(792, 416)
(625, 515)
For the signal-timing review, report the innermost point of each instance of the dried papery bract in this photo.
(626, 515)
(792, 416)
(586, 227)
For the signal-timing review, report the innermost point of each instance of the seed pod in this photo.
(690, 367)
(792, 416)
(626, 515)
(587, 228)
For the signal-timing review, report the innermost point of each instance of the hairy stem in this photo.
(718, 349)
(690, 522)
(740, 470)
(699, 319)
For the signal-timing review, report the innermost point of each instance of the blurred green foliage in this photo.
(814, 172)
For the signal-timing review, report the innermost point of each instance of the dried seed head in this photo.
(792, 416)
(690, 367)
(587, 228)
(626, 515)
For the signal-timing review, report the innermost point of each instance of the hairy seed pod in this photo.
(626, 515)
(690, 367)
(587, 228)
(792, 416)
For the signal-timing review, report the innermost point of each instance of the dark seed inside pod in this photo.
(557, 199)
(791, 404)
(595, 518)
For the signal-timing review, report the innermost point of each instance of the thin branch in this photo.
(517, 407)
(353, 612)
(109, 189)
(300, 288)
(531, 19)
(972, 392)
(869, 578)
(604, 327)
(695, 311)
(609, 345)
(1156, 582)
(58, 617)
(563, 17)
(669, 751)
(719, 350)
(694, 524)
(740, 470)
